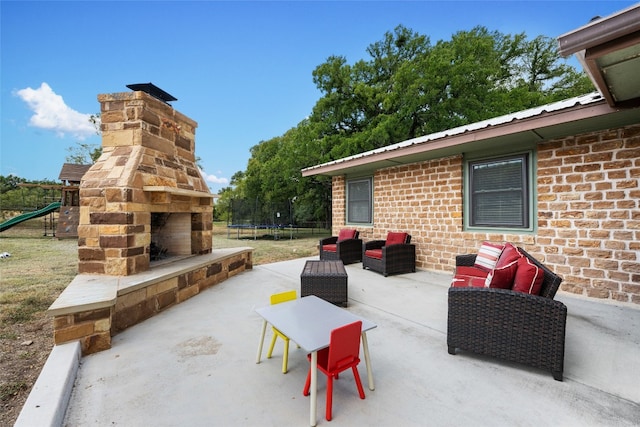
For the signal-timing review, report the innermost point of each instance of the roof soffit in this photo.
(609, 50)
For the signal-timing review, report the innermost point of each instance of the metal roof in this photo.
(570, 116)
(520, 115)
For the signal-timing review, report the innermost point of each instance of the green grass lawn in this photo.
(40, 267)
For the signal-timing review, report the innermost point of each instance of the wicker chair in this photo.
(346, 250)
(509, 325)
(395, 258)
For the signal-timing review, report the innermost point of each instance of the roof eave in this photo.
(599, 47)
(517, 126)
(600, 31)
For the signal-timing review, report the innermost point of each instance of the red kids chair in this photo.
(343, 353)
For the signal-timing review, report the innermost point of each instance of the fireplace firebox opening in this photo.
(170, 235)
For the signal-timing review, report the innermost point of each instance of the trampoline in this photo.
(275, 230)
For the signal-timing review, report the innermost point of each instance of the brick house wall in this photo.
(588, 203)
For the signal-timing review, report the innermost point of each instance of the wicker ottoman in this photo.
(326, 280)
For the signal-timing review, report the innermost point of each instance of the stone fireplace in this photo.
(144, 199)
(146, 225)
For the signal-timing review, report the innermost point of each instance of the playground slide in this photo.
(29, 215)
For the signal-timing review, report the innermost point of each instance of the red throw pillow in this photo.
(395, 238)
(528, 277)
(502, 277)
(509, 254)
(488, 256)
(346, 234)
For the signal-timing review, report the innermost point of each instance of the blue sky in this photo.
(241, 69)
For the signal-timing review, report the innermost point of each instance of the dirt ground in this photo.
(30, 280)
(23, 356)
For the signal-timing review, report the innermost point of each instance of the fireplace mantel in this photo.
(176, 191)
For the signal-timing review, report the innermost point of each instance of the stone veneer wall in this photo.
(93, 317)
(588, 212)
(145, 143)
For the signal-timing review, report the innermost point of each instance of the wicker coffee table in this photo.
(326, 280)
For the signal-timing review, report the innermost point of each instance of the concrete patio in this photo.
(194, 365)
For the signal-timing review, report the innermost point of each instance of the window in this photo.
(499, 192)
(359, 201)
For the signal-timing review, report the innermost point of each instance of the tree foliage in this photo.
(407, 87)
(8, 183)
(33, 195)
(83, 153)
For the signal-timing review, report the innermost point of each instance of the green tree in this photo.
(406, 88)
(409, 88)
(222, 211)
(86, 154)
(33, 195)
(8, 183)
(83, 154)
(542, 72)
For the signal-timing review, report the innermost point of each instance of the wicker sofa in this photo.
(345, 247)
(507, 324)
(388, 257)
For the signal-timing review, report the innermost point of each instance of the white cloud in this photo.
(51, 113)
(213, 179)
